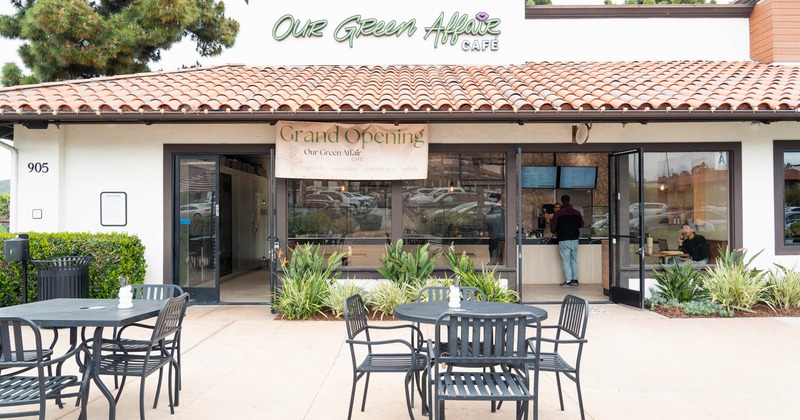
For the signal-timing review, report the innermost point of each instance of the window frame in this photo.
(780, 148)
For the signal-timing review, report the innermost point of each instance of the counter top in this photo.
(552, 241)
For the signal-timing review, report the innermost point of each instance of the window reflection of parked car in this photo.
(311, 206)
(650, 209)
(195, 209)
(418, 198)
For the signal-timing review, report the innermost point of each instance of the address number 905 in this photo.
(38, 167)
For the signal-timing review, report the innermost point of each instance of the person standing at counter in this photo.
(693, 244)
(495, 225)
(566, 225)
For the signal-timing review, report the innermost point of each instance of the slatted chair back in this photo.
(440, 293)
(573, 317)
(15, 351)
(170, 318)
(485, 339)
(21, 351)
(155, 291)
(355, 316)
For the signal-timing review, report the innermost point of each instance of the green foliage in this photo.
(306, 258)
(387, 295)
(733, 284)
(338, 292)
(68, 39)
(407, 268)
(12, 76)
(485, 280)
(538, 2)
(307, 278)
(5, 199)
(703, 307)
(679, 282)
(301, 297)
(784, 288)
(115, 255)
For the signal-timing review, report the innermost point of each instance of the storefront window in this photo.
(685, 187)
(791, 197)
(353, 217)
(460, 204)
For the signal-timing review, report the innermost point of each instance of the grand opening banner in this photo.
(351, 151)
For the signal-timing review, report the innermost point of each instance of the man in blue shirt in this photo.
(566, 225)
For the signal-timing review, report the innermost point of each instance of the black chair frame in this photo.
(412, 362)
(478, 340)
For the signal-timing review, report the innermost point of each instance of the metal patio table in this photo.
(97, 313)
(429, 312)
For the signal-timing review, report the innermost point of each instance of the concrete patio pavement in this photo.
(240, 363)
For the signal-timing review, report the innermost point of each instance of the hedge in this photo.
(115, 255)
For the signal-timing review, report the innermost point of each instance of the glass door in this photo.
(626, 256)
(197, 226)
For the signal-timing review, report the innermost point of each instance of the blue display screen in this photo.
(538, 176)
(578, 177)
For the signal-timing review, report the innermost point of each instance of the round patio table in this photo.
(429, 312)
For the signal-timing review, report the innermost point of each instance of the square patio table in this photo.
(97, 313)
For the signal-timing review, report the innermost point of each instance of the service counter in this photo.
(541, 261)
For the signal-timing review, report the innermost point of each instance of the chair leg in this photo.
(560, 395)
(158, 387)
(352, 397)
(580, 396)
(172, 400)
(141, 399)
(366, 387)
(409, 388)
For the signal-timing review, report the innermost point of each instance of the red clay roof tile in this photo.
(543, 86)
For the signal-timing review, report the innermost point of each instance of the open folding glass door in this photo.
(626, 256)
(273, 245)
(197, 225)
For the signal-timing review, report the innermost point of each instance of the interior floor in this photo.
(253, 287)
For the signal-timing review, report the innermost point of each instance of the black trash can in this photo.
(63, 277)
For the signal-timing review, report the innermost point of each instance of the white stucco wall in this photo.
(86, 160)
(637, 39)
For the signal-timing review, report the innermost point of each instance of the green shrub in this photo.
(784, 288)
(307, 278)
(485, 280)
(386, 295)
(406, 268)
(703, 307)
(301, 298)
(114, 255)
(733, 284)
(679, 282)
(338, 292)
(306, 258)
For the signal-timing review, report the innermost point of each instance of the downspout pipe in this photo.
(12, 205)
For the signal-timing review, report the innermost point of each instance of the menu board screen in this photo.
(538, 176)
(578, 177)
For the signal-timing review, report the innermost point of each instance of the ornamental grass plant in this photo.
(407, 268)
(784, 288)
(734, 284)
(679, 282)
(306, 282)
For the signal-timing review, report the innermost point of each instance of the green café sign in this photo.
(443, 30)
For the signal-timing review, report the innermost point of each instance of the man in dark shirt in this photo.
(567, 224)
(495, 225)
(694, 245)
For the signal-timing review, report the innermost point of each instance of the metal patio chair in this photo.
(117, 360)
(476, 340)
(438, 293)
(147, 292)
(410, 362)
(572, 323)
(16, 389)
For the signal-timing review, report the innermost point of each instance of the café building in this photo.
(369, 124)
